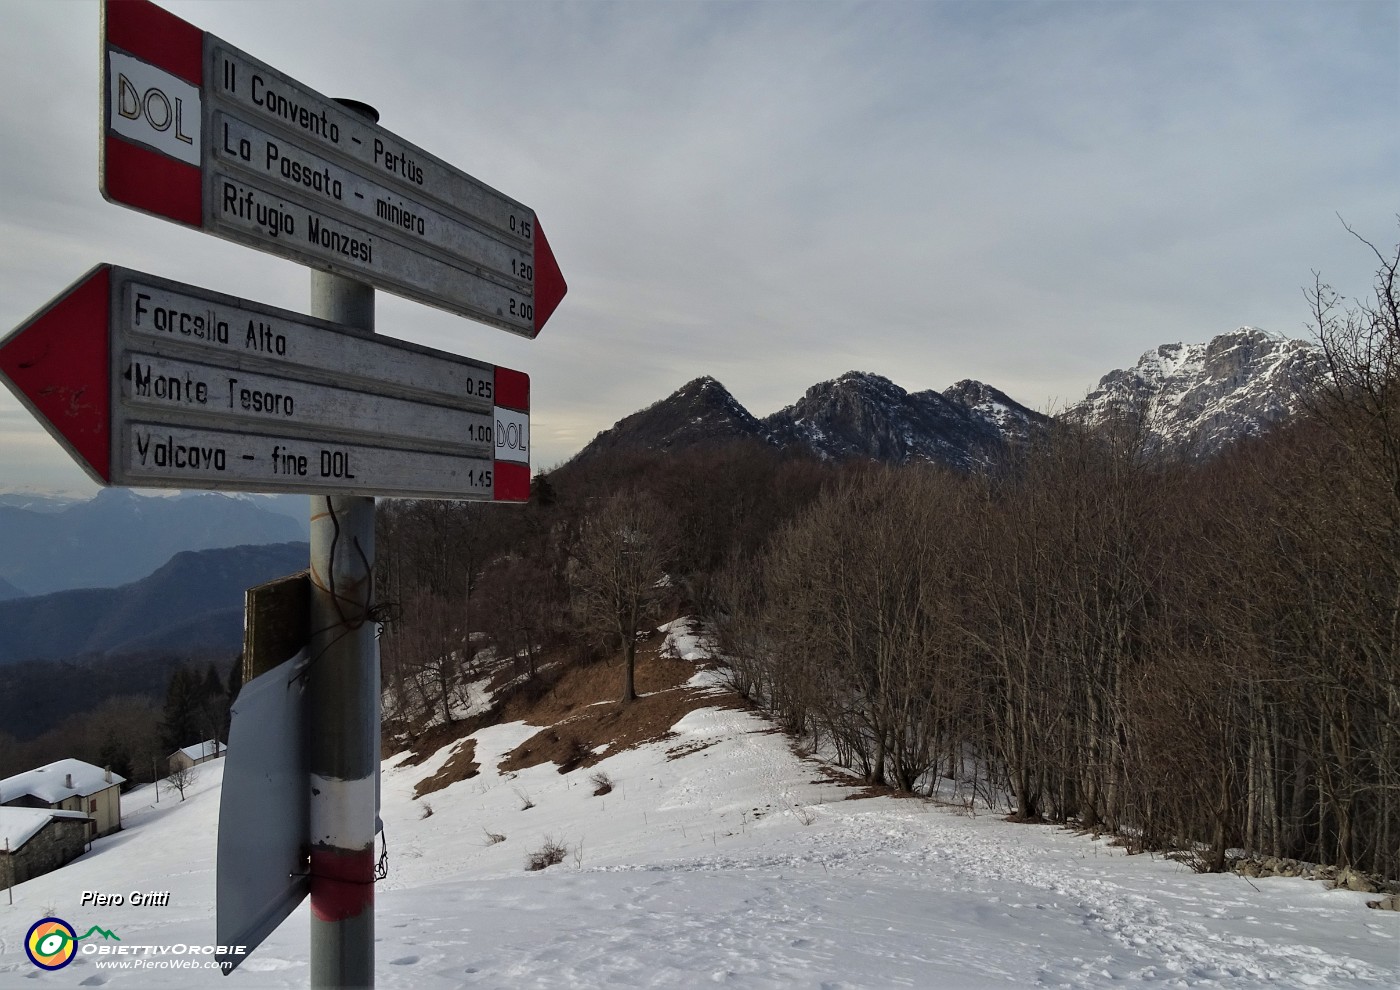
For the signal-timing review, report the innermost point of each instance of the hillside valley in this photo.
(105, 644)
(193, 602)
(719, 855)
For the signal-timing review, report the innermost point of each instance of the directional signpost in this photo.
(201, 133)
(155, 384)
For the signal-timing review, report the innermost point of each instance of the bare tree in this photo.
(179, 779)
(432, 553)
(520, 610)
(1357, 754)
(619, 575)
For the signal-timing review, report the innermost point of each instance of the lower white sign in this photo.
(158, 455)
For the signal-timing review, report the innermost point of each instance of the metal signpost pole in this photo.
(148, 382)
(343, 699)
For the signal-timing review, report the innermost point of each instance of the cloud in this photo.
(774, 193)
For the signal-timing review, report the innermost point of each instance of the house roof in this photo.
(19, 825)
(210, 747)
(50, 783)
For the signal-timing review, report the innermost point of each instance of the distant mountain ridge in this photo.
(859, 415)
(862, 415)
(1198, 398)
(192, 603)
(119, 536)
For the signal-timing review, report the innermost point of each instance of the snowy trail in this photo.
(697, 871)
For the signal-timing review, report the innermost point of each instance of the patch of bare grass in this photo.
(461, 765)
(581, 684)
(424, 746)
(581, 713)
(620, 727)
(686, 749)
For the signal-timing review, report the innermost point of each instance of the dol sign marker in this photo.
(150, 107)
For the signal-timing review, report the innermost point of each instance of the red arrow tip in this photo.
(549, 280)
(57, 364)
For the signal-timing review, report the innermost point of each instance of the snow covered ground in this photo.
(718, 860)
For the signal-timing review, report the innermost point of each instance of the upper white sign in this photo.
(199, 132)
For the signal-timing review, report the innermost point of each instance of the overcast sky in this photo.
(776, 193)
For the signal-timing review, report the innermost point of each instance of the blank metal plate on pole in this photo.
(263, 811)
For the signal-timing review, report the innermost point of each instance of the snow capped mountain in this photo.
(1199, 398)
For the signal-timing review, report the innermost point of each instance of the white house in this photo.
(69, 785)
(193, 756)
(34, 841)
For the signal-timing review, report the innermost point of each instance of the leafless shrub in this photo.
(492, 838)
(602, 784)
(547, 855)
(427, 810)
(525, 802)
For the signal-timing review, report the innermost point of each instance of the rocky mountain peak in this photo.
(702, 411)
(863, 415)
(865, 382)
(997, 409)
(1198, 398)
(704, 386)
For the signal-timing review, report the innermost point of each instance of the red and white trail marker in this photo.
(156, 384)
(201, 133)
